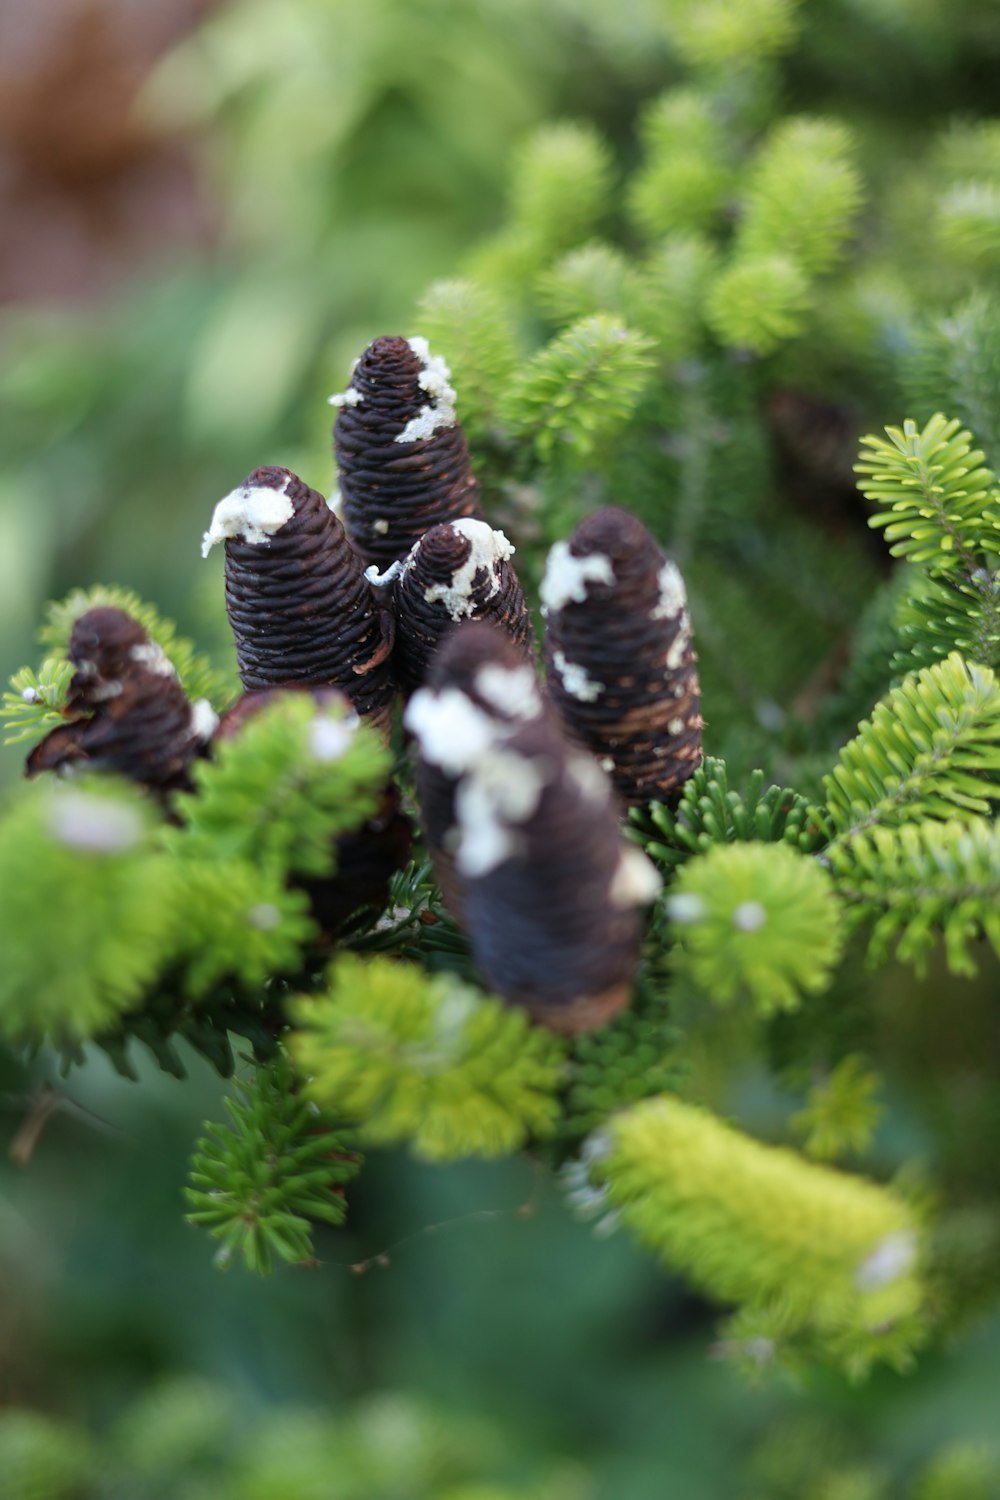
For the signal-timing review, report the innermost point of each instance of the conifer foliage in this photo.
(588, 374)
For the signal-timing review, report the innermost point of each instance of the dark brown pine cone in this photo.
(367, 857)
(458, 570)
(548, 890)
(300, 608)
(478, 685)
(138, 720)
(402, 454)
(620, 664)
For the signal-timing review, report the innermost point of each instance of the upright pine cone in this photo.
(621, 668)
(547, 888)
(299, 605)
(128, 712)
(401, 452)
(480, 680)
(459, 570)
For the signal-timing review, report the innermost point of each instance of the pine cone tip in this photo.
(260, 506)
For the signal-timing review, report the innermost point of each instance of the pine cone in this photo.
(620, 664)
(299, 605)
(139, 721)
(402, 454)
(480, 676)
(458, 570)
(367, 857)
(546, 887)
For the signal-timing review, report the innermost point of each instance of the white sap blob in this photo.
(749, 916)
(673, 594)
(492, 804)
(350, 397)
(686, 908)
(636, 880)
(566, 577)
(891, 1259)
(575, 679)
(204, 719)
(680, 642)
(152, 657)
(382, 580)
(451, 731)
(434, 379)
(330, 738)
(487, 550)
(253, 512)
(94, 825)
(512, 691)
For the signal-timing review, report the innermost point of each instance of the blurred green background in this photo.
(208, 211)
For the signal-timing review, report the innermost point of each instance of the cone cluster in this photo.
(520, 788)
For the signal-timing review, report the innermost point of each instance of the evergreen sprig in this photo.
(944, 515)
(426, 1058)
(687, 171)
(921, 881)
(591, 279)
(87, 909)
(938, 502)
(469, 325)
(34, 702)
(665, 293)
(760, 1227)
(574, 395)
(930, 750)
(802, 196)
(237, 923)
(279, 792)
(755, 919)
(560, 189)
(720, 34)
(199, 677)
(260, 1181)
(758, 302)
(967, 1471)
(954, 365)
(44, 1459)
(948, 612)
(841, 1111)
(710, 812)
(968, 224)
(634, 1057)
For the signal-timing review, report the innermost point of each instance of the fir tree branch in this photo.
(758, 920)
(411, 1056)
(930, 750)
(87, 915)
(473, 330)
(34, 702)
(278, 793)
(709, 812)
(758, 1226)
(841, 1112)
(939, 503)
(574, 395)
(920, 881)
(258, 1182)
